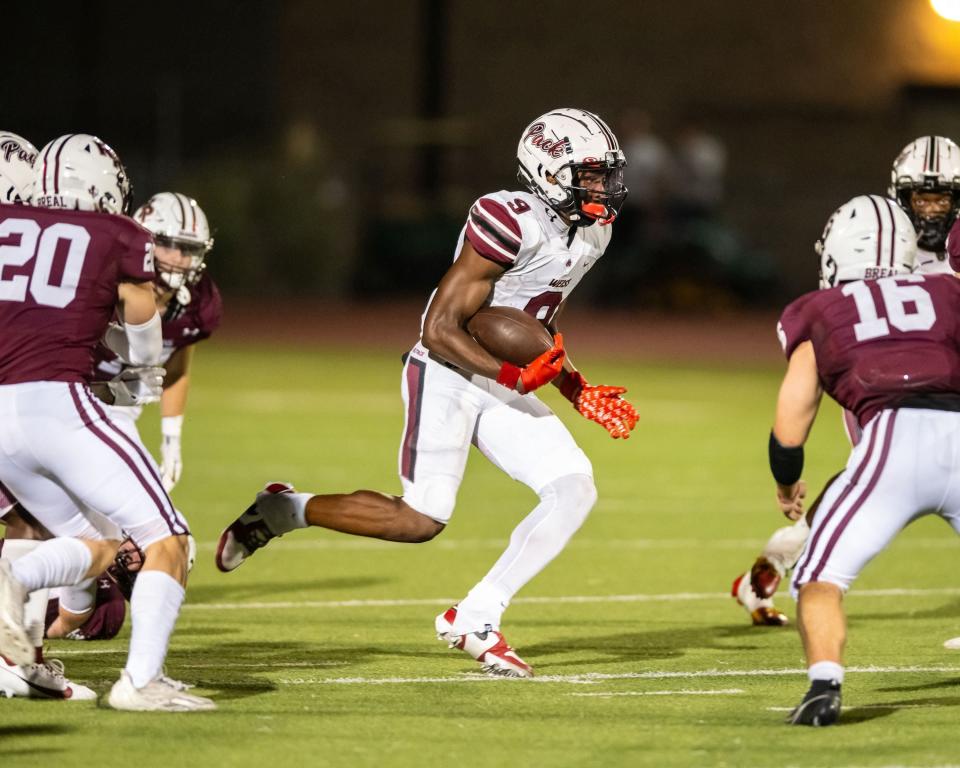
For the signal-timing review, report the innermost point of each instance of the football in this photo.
(510, 334)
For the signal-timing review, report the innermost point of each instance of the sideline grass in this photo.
(684, 506)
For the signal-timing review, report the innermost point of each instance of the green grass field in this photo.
(320, 651)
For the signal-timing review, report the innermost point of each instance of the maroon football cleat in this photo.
(249, 532)
(489, 647)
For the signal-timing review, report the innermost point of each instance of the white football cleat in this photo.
(41, 680)
(489, 647)
(252, 530)
(14, 643)
(953, 644)
(159, 695)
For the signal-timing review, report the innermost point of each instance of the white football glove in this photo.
(171, 464)
(137, 385)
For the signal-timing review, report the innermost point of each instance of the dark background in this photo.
(337, 147)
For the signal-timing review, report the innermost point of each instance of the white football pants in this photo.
(907, 465)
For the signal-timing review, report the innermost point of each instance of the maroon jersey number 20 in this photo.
(59, 273)
(42, 245)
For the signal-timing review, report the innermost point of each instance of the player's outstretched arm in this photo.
(465, 288)
(797, 405)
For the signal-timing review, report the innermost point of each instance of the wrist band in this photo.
(171, 426)
(786, 464)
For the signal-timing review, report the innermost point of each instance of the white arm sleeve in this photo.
(145, 341)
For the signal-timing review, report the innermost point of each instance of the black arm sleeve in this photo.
(786, 464)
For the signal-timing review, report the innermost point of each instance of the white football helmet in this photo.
(866, 238)
(177, 222)
(80, 172)
(556, 149)
(17, 156)
(928, 164)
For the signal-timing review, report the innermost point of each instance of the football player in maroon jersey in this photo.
(43, 677)
(73, 263)
(885, 344)
(191, 308)
(925, 181)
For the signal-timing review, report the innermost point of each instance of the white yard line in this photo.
(681, 692)
(593, 678)
(668, 597)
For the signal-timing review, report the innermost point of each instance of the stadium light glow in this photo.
(947, 9)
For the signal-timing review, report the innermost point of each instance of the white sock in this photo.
(55, 563)
(35, 609)
(483, 605)
(825, 670)
(154, 607)
(540, 537)
(284, 512)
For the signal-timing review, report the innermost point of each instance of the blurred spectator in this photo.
(701, 163)
(641, 227)
(648, 161)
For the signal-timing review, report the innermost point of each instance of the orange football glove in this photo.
(602, 404)
(540, 371)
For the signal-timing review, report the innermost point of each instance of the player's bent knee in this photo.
(417, 527)
(433, 499)
(79, 599)
(575, 493)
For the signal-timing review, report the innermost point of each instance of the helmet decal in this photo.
(17, 161)
(553, 147)
(570, 159)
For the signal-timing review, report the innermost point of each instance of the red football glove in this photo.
(603, 405)
(540, 371)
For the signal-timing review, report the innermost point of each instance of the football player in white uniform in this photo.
(528, 250)
(925, 181)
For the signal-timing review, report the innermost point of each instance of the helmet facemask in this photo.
(598, 190)
(179, 276)
(928, 166)
(182, 236)
(932, 229)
